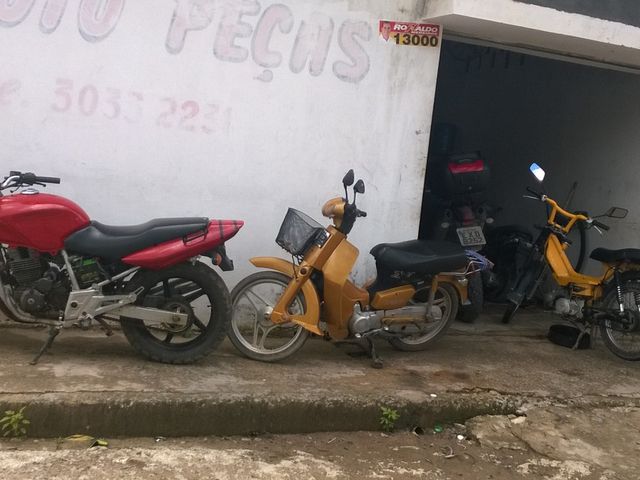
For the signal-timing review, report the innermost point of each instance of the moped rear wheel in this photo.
(447, 301)
(623, 338)
(252, 332)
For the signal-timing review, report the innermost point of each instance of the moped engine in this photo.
(391, 320)
(570, 307)
(362, 322)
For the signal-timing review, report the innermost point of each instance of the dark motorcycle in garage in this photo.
(458, 185)
(58, 268)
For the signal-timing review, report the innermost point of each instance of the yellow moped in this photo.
(413, 300)
(609, 301)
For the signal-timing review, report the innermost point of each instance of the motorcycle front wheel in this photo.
(192, 289)
(252, 332)
(510, 311)
(446, 300)
(623, 339)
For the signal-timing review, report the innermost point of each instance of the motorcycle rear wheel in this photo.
(468, 313)
(447, 299)
(624, 344)
(251, 331)
(194, 289)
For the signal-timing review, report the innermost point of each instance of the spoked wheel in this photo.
(444, 310)
(252, 331)
(623, 337)
(194, 290)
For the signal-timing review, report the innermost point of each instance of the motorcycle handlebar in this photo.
(48, 179)
(29, 178)
(600, 225)
(533, 192)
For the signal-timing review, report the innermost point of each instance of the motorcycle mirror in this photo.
(348, 179)
(537, 171)
(616, 212)
(359, 187)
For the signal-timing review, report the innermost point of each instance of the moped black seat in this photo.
(420, 256)
(114, 242)
(614, 256)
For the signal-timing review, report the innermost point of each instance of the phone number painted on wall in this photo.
(407, 33)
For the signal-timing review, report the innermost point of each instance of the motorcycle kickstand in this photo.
(583, 332)
(376, 361)
(53, 333)
(108, 331)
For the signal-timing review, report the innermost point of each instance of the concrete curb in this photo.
(172, 415)
(143, 415)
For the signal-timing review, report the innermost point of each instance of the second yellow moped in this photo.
(608, 301)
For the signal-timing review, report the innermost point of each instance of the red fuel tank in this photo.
(39, 221)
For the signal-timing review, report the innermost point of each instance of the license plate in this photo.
(471, 236)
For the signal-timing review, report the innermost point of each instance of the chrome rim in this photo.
(251, 322)
(443, 303)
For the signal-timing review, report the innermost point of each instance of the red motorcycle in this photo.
(59, 268)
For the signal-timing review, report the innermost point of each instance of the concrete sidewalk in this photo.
(98, 385)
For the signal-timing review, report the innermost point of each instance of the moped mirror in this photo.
(359, 187)
(348, 179)
(537, 171)
(616, 212)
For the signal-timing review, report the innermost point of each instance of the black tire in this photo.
(145, 342)
(452, 300)
(468, 313)
(609, 334)
(504, 249)
(240, 299)
(525, 287)
(510, 312)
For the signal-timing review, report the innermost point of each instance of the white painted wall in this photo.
(579, 123)
(103, 93)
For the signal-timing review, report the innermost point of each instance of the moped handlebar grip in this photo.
(600, 225)
(533, 192)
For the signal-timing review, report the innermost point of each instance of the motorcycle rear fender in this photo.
(309, 320)
(179, 250)
(461, 287)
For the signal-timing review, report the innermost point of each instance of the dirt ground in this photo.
(551, 444)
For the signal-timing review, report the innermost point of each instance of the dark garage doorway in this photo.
(579, 122)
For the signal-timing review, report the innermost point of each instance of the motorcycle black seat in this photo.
(615, 256)
(114, 242)
(420, 256)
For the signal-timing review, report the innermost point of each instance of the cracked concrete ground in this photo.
(91, 383)
(596, 438)
(577, 411)
(585, 444)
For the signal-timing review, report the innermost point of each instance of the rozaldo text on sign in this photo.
(408, 33)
